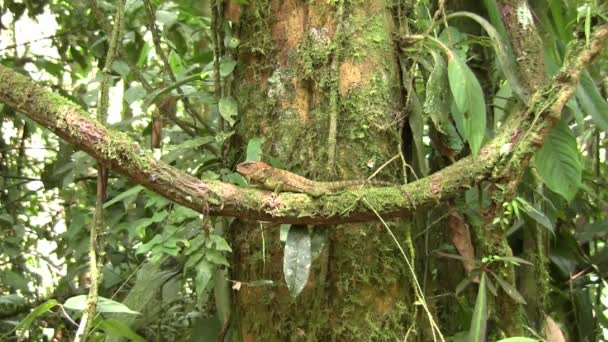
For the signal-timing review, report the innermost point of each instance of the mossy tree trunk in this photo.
(304, 65)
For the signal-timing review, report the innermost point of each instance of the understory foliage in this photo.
(166, 270)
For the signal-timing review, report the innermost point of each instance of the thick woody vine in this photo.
(125, 157)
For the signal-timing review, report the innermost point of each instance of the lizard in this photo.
(277, 180)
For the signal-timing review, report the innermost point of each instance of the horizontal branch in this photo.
(122, 155)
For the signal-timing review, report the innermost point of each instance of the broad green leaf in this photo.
(176, 63)
(558, 162)
(216, 257)
(228, 110)
(131, 192)
(254, 149)
(519, 339)
(204, 273)
(118, 328)
(456, 40)
(227, 67)
(40, 310)
(297, 259)
(121, 67)
(535, 214)
(437, 100)
(504, 55)
(477, 333)
(220, 243)
(469, 99)
(194, 259)
(509, 289)
(104, 305)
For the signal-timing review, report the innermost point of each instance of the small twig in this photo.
(382, 167)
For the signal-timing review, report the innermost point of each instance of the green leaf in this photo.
(228, 110)
(204, 273)
(477, 333)
(469, 99)
(121, 67)
(254, 149)
(504, 55)
(176, 63)
(535, 214)
(592, 101)
(519, 339)
(118, 328)
(558, 162)
(216, 257)
(437, 101)
(220, 243)
(40, 310)
(509, 289)
(297, 259)
(131, 192)
(466, 281)
(104, 305)
(227, 67)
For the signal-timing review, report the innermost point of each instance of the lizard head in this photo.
(256, 170)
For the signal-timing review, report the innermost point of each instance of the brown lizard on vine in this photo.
(277, 180)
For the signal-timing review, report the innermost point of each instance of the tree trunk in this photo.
(308, 66)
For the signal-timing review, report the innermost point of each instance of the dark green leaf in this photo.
(227, 67)
(297, 259)
(469, 99)
(131, 192)
(254, 149)
(535, 214)
(504, 55)
(204, 273)
(40, 310)
(509, 289)
(228, 110)
(437, 100)
(558, 162)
